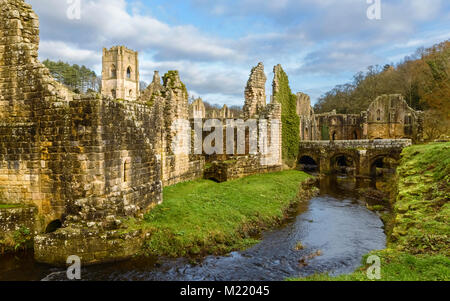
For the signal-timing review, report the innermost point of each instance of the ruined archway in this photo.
(113, 71)
(333, 137)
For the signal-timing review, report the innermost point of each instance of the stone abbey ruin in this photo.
(78, 164)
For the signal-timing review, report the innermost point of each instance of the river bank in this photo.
(418, 230)
(203, 217)
(325, 233)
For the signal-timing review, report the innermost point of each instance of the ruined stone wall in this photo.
(238, 167)
(62, 153)
(197, 109)
(332, 126)
(265, 157)
(389, 116)
(14, 223)
(115, 167)
(29, 98)
(255, 92)
(172, 98)
(308, 125)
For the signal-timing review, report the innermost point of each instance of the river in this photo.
(335, 230)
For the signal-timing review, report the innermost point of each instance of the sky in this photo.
(215, 43)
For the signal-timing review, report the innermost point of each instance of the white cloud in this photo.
(108, 22)
(58, 50)
(332, 38)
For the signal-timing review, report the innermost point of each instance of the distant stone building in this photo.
(305, 111)
(120, 73)
(197, 109)
(388, 117)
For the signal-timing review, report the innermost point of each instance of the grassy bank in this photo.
(9, 206)
(204, 217)
(419, 236)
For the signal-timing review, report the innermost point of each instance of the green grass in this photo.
(419, 229)
(9, 206)
(397, 266)
(204, 217)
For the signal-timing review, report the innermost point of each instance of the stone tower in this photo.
(120, 73)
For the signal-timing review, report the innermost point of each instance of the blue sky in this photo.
(214, 43)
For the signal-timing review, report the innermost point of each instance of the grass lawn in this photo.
(9, 206)
(419, 239)
(204, 217)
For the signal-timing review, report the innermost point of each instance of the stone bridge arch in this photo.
(387, 161)
(308, 161)
(344, 161)
(358, 155)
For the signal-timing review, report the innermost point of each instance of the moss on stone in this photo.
(170, 78)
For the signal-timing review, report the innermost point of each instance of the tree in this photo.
(422, 78)
(76, 78)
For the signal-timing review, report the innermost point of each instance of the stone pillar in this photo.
(255, 92)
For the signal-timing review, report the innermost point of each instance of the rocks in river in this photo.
(299, 246)
(303, 261)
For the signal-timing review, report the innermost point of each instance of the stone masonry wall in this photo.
(12, 222)
(28, 98)
(64, 154)
(172, 99)
(389, 116)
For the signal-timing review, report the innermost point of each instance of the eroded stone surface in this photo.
(255, 92)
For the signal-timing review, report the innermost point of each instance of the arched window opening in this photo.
(129, 72)
(334, 136)
(113, 93)
(130, 93)
(378, 115)
(408, 119)
(355, 135)
(113, 71)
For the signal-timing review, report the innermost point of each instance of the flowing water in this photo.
(335, 230)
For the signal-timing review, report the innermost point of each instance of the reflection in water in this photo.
(335, 223)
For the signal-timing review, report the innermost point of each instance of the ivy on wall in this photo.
(289, 118)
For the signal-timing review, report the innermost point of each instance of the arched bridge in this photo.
(361, 157)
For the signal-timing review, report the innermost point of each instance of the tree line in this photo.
(422, 78)
(78, 79)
